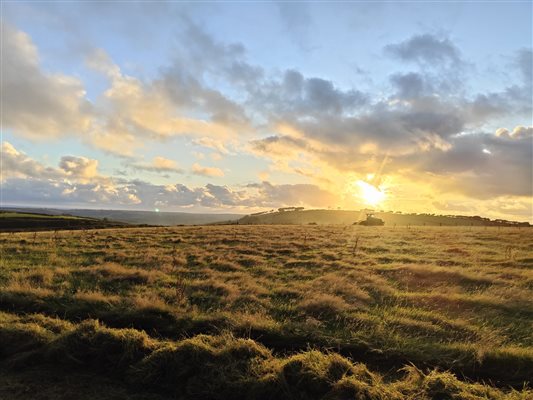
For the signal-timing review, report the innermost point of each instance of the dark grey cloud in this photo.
(411, 85)
(278, 145)
(485, 165)
(392, 129)
(296, 96)
(426, 49)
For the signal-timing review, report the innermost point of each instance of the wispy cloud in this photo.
(206, 171)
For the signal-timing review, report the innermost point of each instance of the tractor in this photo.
(371, 221)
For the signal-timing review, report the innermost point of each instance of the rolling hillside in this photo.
(139, 217)
(344, 217)
(18, 221)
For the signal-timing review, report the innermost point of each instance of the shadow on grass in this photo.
(504, 367)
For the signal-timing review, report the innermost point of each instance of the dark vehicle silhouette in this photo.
(371, 221)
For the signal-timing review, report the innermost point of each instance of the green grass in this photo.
(7, 214)
(296, 312)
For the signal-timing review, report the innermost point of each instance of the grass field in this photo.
(267, 312)
(12, 221)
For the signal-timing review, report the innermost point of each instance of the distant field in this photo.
(137, 217)
(267, 312)
(21, 221)
(344, 217)
(7, 215)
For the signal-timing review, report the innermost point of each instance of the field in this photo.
(13, 221)
(134, 217)
(267, 312)
(392, 219)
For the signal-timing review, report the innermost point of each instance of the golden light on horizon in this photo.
(369, 193)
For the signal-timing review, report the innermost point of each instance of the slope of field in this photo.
(140, 217)
(268, 312)
(17, 221)
(346, 217)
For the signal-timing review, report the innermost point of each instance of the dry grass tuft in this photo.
(324, 306)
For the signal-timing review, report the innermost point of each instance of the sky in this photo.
(241, 107)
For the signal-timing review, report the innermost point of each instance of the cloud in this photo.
(421, 127)
(479, 166)
(39, 104)
(98, 60)
(297, 96)
(147, 110)
(411, 85)
(197, 169)
(71, 169)
(401, 129)
(279, 146)
(174, 103)
(81, 168)
(294, 195)
(16, 164)
(77, 182)
(158, 164)
(447, 180)
(425, 118)
(426, 49)
(164, 163)
(253, 196)
(36, 103)
(212, 143)
(518, 132)
(35, 191)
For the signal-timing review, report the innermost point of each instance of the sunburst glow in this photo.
(369, 193)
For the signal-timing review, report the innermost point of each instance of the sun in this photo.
(369, 193)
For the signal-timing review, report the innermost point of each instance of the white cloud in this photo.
(16, 164)
(197, 169)
(36, 103)
(81, 168)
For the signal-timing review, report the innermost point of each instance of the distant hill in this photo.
(12, 221)
(138, 217)
(334, 217)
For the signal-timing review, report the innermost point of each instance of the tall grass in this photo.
(445, 298)
(220, 366)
